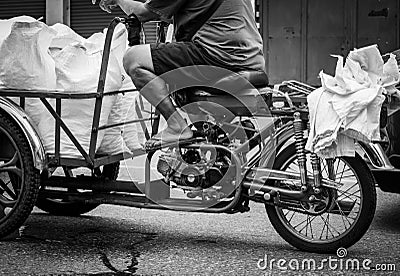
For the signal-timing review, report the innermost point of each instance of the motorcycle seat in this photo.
(258, 79)
(236, 92)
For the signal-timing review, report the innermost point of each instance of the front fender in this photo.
(18, 115)
(376, 156)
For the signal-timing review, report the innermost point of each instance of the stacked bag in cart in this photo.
(34, 56)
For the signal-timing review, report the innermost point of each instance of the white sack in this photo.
(113, 142)
(6, 24)
(131, 133)
(24, 58)
(25, 62)
(347, 106)
(77, 115)
(65, 36)
(78, 70)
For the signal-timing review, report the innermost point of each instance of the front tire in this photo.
(19, 179)
(338, 227)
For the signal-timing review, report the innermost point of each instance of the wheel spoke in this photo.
(297, 225)
(12, 169)
(329, 225)
(348, 189)
(341, 175)
(304, 221)
(322, 231)
(308, 220)
(292, 216)
(4, 202)
(13, 161)
(324, 168)
(7, 190)
(343, 216)
(349, 196)
(311, 231)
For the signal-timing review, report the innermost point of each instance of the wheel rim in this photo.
(11, 177)
(332, 225)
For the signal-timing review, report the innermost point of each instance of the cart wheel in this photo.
(19, 179)
(62, 207)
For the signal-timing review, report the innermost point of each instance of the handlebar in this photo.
(134, 27)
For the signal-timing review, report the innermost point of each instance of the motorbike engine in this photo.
(193, 169)
(205, 170)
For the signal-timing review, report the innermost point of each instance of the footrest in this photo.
(178, 143)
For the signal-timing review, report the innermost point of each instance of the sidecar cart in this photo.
(27, 172)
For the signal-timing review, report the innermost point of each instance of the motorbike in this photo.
(249, 146)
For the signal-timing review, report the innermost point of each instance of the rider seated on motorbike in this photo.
(229, 39)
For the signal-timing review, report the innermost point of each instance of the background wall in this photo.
(299, 36)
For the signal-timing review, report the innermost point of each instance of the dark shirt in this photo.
(230, 35)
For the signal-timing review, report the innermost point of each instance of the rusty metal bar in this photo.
(92, 183)
(57, 94)
(142, 123)
(57, 131)
(101, 86)
(22, 102)
(124, 123)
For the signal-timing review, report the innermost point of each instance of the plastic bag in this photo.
(65, 36)
(5, 25)
(132, 133)
(78, 116)
(113, 142)
(24, 58)
(78, 71)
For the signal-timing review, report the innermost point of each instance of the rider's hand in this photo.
(107, 5)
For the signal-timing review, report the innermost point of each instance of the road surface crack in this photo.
(135, 254)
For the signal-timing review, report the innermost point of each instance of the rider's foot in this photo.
(168, 135)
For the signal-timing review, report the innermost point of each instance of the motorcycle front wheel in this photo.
(352, 206)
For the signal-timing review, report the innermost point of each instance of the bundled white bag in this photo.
(6, 24)
(125, 138)
(25, 62)
(24, 58)
(65, 36)
(347, 106)
(132, 134)
(112, 142)
(78, 70)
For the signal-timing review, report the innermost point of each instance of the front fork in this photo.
(298, 125)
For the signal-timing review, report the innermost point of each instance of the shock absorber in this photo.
(300, 149)
(316, 167)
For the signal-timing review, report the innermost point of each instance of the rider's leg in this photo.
(139, 66)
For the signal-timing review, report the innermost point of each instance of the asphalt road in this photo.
(115, 240)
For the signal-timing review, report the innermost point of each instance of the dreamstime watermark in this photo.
(337, 263)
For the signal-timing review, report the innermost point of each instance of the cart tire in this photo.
(19, 179)
(357, 224)
(70, 208)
